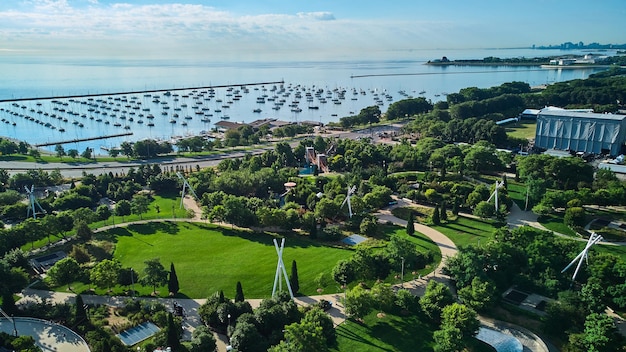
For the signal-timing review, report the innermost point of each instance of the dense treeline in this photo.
(532, 260)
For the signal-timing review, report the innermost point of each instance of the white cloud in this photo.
(177, 28)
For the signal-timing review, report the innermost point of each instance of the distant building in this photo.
(580, 131)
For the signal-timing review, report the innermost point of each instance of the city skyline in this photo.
(249, 29)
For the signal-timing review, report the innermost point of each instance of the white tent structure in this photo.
(580, 131)
(32, 200)
(186, 186)
(351, 191)
(280, 270)
(593, 239)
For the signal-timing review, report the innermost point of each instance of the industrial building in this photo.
(581, 131)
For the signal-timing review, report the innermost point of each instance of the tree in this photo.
(202, 340)
(239, 293)
(154, 274)
(103, 212)
(60, 151)
(484, 210)
(358, 302)
(444, 214)
(64, 272)
(600, 334)
(246, 338)
(436, 296)
(318, 317)
(173, 336)
(72, 153)
(479, 295)
(35, 153)
(172, 284)
(574, 217)
(435, 217)
(105, 273)
(305, 336)
(139, 205)
(83, 231)
(448, 340)
(410, 225)
(122, 208)
(461, 317)
(293, 279)
(81, 313)
(87, 154)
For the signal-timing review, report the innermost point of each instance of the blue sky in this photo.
(160, 28)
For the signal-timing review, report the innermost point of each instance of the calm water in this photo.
(394, 72)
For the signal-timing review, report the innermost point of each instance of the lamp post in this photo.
(14, 326)
(402, 273)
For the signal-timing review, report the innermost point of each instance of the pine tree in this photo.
(8, 303)
(410, 225)
(173, 339)
(172, 285)
(435, 218)
(293, 280)
(81, 313)
(444, 215)
(455, 206)
(239, 294)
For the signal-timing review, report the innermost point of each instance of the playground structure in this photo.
(186, 186)
(280, 268)
(33, 201)
(281, 197)
(320, 160)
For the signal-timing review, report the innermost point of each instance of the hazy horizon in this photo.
(258, 30)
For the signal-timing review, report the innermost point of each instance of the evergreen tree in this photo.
(444, 215)
(81, 313)
(172, 285)
(435, 218)
(8, 303)
(410, 225)
(293, 280)
(239, 294)
(173, 339)
(455, 206)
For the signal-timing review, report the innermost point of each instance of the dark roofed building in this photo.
(227, 125)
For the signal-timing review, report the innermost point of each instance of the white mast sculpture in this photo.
(351, 191)
(593, 239)
(33, 201)
(185, 186)
(495, 193)
(280, 268)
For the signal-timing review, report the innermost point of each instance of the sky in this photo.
(250, 28)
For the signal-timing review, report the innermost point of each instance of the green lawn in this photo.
(522, 129)
(168, 206)
(423, 244)
(517, 192)
(390, 333)
(464, 231)
(210, 258)
(554, 222)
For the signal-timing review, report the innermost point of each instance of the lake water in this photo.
(389, 77)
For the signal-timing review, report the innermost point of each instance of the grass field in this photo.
(390, 333)
(463, 231)
(522, 129)
(210, 258)
(423, 244)
(168, 206)
(554, 222)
